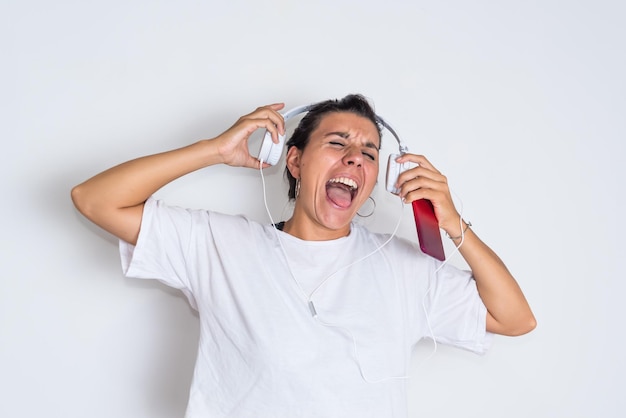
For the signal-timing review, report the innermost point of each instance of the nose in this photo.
(353, 156)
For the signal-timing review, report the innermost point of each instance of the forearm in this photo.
(132, 182)
(114, 198)
(508, 310)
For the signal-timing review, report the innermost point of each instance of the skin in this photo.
(343, 145)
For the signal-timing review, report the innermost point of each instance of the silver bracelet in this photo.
(467, 225)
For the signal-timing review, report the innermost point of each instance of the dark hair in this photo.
(353, 103)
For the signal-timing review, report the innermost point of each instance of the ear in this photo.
(293, 161)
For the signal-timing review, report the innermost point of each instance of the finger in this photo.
(421, 187)
(437, 192)
(254, 162)
(278, 120)
(270, 112)
(418, 159)
(422, 193)
(249, 124)
(268, 124)
(432, 179)
(276, 106)
(441, 202)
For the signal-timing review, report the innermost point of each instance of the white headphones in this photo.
(270, 152)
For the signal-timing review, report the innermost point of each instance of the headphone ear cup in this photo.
(393, 171)
(270, 152)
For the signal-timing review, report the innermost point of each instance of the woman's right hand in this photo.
(232, 145)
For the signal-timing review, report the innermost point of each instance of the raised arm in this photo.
(508, 312)
(114, 199)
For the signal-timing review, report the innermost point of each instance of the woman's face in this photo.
(337, 169)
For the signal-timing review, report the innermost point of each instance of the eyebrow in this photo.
(346, 135)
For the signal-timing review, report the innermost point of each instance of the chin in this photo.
(339, 221)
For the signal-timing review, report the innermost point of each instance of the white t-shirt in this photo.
(261, 351)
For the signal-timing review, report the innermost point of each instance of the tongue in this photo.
(339, 195)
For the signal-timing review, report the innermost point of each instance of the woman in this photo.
(319, 318)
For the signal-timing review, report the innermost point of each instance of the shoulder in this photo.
(160, 211)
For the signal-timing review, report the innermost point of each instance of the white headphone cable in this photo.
(308, 298)
(443, 263)
(311, 305)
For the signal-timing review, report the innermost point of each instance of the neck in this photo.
(310, 231)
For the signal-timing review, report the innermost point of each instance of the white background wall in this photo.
(520, 104)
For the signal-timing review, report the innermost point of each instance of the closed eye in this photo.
(370, 156)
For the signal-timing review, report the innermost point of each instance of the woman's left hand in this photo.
(426, 182)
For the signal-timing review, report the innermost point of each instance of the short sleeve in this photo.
(162, 246)
(456, 313)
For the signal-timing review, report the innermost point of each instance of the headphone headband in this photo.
(305, 108)
(270, 152)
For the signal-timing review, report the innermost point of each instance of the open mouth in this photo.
(341, 191)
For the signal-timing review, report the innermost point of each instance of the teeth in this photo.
(348, 182)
